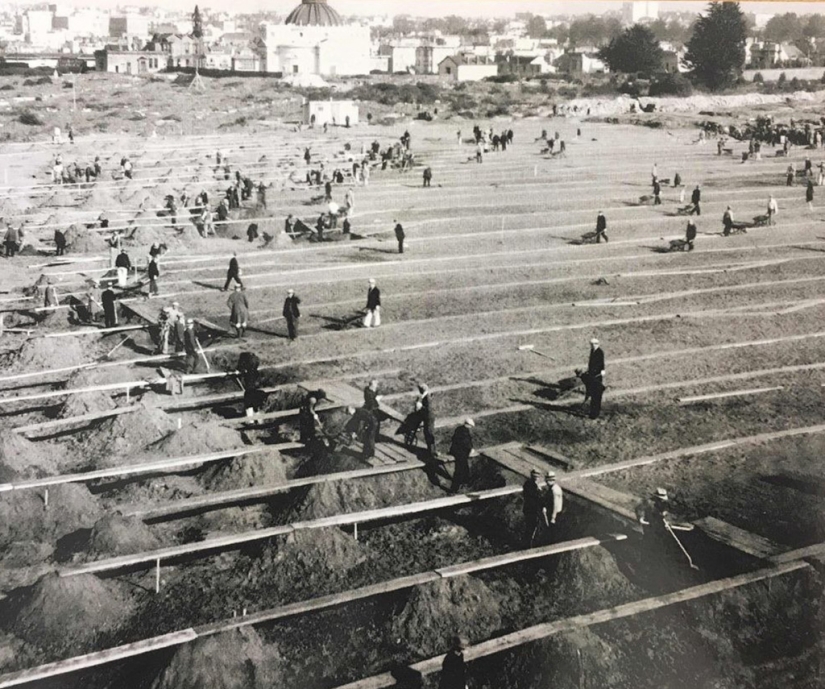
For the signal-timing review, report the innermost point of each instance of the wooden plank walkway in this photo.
(302, 607)
(744, 541)
(548, 629)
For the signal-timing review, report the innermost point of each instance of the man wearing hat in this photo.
(595, 378)
(461, 448)
(190, 346)
(107, 298)
(292, 313)
(424, 406)
(372, 317)
(533, 508)
(453, 668)
(553, 498)
(238, 310)
(308, 420)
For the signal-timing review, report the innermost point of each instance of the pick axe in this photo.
(532, 348)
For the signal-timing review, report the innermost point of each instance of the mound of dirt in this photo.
(61, 198)
(86, 403)
(48, 353)
(82, 241)
(264, 469)
(117, 440)
(24, 517)
(591, 575)
(317, 553)
(198, 437)
(69, 613)
(336, 497)
(99, 200)
(441, 609)
(238, 659)
(26, 459)
(118, 535)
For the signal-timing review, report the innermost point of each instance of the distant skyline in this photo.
(443, 8)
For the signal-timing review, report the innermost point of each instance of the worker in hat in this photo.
(595, 378)
(553, 499)
(533, 508)
(362, 427)
(372, 315)
(107, 298)
(372, 403)
(292, 313)
(309, 422)
(454, 668)
(233, 272)
(238, 310)
(661, 544)
(190, 346)
(461, 448)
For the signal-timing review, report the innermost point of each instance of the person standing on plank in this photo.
(461, 448)
(362, 426)
(372, 317)
(233, 272)
(292, 313)
(399, 235)
(554, 500)
(190, 346)
(372, 403)
(153, 273)
(595, 378)
(238, 310)
(109, 309)
(690, 234)
(601, 228)
(695, 198)
(533, 508)
(424, 406)
(453, 668)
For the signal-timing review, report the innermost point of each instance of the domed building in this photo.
(315, 40)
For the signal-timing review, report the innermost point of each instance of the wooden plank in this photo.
(547, 629)
(614, 501)
(724, 395)
(84, 418)
(744, 541)
(259, 492)
(812, 551)
(556, 458)
(110, 655)
(525, 555)
(458, 420)
(509, 461)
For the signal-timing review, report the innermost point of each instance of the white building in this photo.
(466, 68)
(317, 113)
(314, 40)
(634, 12)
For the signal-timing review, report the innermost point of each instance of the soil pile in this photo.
(315, 554)
(47, 353)
(591, 575)
(82, 241)
(69, 613)
(336, 497)
(118, 439)
(99, 200)
(61, 198)
(264, 469)
(233, 660)
(23, 516)
(441, 609)
(86, 403)
(24, 459)
(199, 437)
(118, 535)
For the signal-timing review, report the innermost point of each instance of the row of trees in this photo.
(715, 50)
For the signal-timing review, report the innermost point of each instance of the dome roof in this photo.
(314, 13)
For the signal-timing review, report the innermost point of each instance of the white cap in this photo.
(594, 341)
(372, 281)
(470, 423)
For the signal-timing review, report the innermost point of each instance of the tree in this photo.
(716, 51)
(592, 30)
(197, 24)
(634, 50)
(784, 28)
(536, 27)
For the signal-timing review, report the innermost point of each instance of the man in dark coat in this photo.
(60, 242)
(190, 346)
(657, 193)
(461, 448)
(107, 299)
(153, 273)
(595, 378)
(727, 222)
(292, 313)
(533, 508)
(690, 234)
(233, 273)
(309, 423)
(601, 227)
(424, 406)
(695, 199)
(454, 669)
(372, 403)
(362, 426)
(428, 176)
(123, 260)
(372, 317)
(399, 235)
(238, 310)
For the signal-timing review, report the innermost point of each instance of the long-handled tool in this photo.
(108, 355)
(532, 348)
(681, 547)
(203, 354)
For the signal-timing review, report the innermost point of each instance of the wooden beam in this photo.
(739, 539)
(84, 418)
(547, 629)
(724, 395)
(613, 501)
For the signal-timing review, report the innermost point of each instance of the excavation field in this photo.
(158, 540)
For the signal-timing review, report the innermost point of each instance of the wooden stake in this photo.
(46, 499)
(355, 531)
(157, 575)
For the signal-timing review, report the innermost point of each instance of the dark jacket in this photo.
(531, 494)
(453, 671)
(370, 400)
(399, 232)
(190, 341)
(291, 310)
(373, 298)
(601, 223)
(122, 261)
(462, 443)
(595, 364)
(233, 266)
(696, 196)
(691, 232)
(107, 299)
(153, 271)
(59, 239)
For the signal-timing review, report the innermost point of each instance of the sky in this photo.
(442, 8)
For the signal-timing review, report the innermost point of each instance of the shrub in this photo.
(782, 78)
(502, 79)
(6, 87)
(30, 118)
(173, 117)
(671, 85)
(759, 79)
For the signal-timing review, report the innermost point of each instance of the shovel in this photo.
(532, 348)
(108, 355)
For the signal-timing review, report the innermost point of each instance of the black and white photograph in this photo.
(450, 344)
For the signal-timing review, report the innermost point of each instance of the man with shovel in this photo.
(659, 531)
